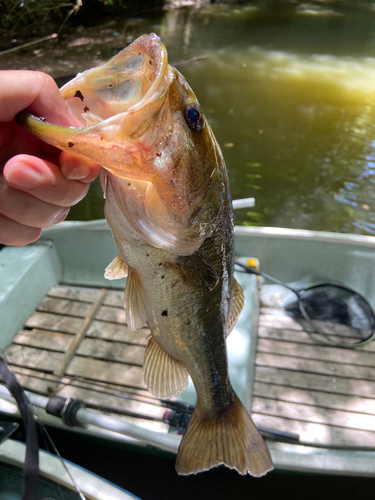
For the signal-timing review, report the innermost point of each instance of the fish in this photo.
(169, 207)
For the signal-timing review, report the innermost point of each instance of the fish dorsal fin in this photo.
(195, 272)
(235, 306)
(164, 375)
(134, 305)
(116, 269)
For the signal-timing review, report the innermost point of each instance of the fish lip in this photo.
(150, 44)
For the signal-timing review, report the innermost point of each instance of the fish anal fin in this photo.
(196, 272)
(235, 306)
(116, 269)
(231, 440)
(164, 375)
(134, 305)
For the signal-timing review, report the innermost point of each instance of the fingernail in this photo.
(23, 176)
(78, 173)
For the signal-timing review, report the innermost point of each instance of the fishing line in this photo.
(139, 399)
(29, 415)
(30, 470)
(175, 414)
(104, 385)
(44, 430)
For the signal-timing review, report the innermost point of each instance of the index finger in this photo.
(34, 90)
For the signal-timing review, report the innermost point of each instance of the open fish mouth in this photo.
(124, 84)
(117, 100)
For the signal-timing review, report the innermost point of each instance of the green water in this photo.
(11, 486)
(289, 90)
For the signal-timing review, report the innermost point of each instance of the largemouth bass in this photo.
(169, 208)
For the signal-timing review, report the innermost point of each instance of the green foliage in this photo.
(15, 14)
(117, 7)
(117, 4)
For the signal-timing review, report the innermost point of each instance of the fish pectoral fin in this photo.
(235, 306)
(230, 439)
(134, 305)
(195, 272)
(164, 375)
(116, 269)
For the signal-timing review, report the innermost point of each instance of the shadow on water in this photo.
(288, 88)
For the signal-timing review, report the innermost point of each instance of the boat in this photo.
(55, 477)
(64, 335)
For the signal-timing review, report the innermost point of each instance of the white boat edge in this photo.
(270, 232)
(92, 486)
(296, 234)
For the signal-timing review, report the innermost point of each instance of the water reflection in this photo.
(289, 91)
(301, 129)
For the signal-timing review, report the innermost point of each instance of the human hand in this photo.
(38, 183)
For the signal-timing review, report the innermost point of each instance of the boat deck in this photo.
(77, 344)
(325, 394)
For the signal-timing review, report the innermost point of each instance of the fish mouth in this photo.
(111, 100)
(124, 84)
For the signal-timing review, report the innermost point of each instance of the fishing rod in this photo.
(73, 412)
(177, 412)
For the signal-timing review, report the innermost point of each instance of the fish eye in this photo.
(193, 117)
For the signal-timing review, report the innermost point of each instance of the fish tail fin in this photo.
(232, 440)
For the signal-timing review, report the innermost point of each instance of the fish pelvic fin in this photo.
(135, 311)
(116, 269)
(231, 440)
(235, 306)
(164, 375)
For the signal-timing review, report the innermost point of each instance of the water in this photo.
(289, 90)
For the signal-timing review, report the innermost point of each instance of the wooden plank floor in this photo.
(106, 363)
(326, 394)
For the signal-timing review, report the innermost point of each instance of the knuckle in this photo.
(44, 79)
